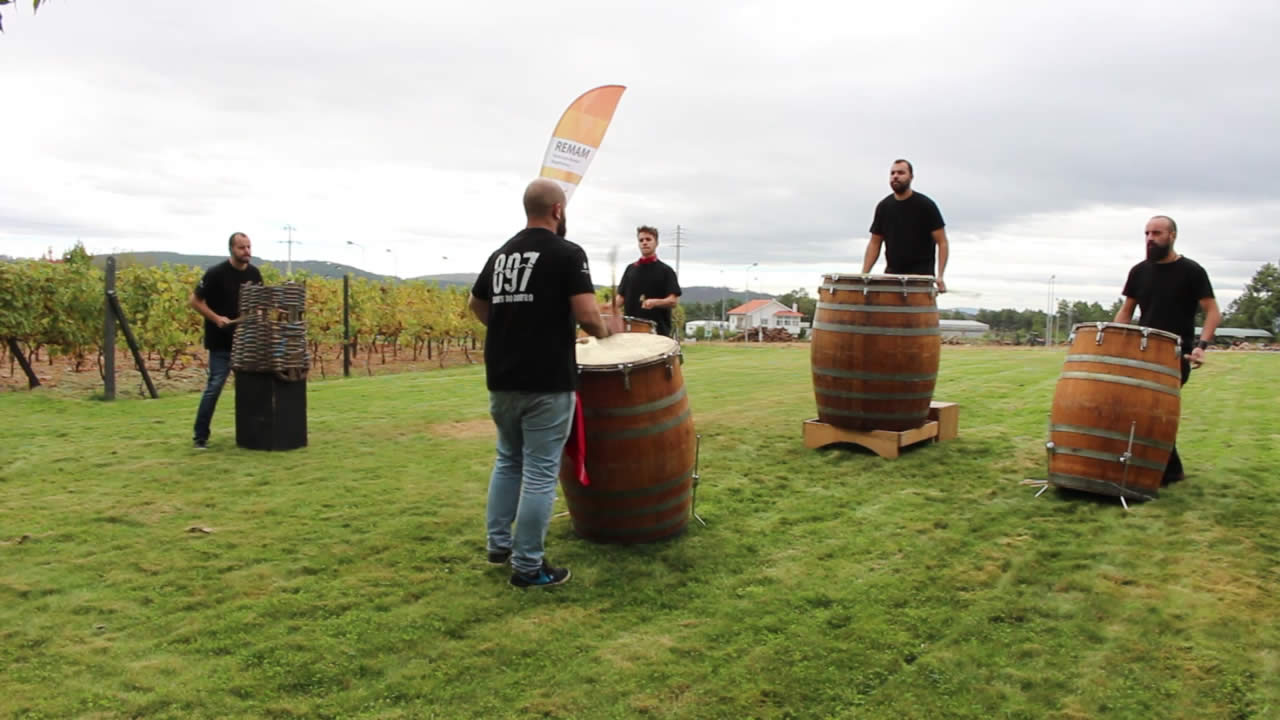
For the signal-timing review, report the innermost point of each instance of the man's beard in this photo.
(1157, 252)
(905, 185)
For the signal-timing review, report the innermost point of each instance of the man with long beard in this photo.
(1168, 288)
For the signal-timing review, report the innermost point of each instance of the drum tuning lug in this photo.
(670, 370)
(1146, 332)
(626, 376)
(1098, 339)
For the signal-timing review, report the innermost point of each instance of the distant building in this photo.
(703, 327)
(952, 329)
(766, 313)
(1245, 334)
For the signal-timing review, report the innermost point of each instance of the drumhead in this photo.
(1126, 328)
(625, 349)
(880, 279)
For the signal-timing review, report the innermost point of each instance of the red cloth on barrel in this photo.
(576, 448)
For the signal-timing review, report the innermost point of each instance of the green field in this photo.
(349, 580)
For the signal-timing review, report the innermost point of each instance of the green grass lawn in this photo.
(348, 579)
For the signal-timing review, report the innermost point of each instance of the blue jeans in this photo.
(219, 368)
(532, 431)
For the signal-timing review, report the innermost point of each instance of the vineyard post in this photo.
(114, 302)
(109, 334)
(16, 352)
(346, 325)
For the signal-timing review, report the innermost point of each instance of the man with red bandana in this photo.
(649, 287)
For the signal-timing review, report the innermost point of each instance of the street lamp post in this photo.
(746, 290)
(355, 244)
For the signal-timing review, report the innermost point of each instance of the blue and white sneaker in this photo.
(546, 576)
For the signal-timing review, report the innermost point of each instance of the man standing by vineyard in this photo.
(217, 298)
(529, 295)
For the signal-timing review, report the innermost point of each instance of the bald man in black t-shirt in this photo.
(1169, 288)
(529, 295)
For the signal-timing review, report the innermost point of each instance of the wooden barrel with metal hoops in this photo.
(640, 441)
(1115, 410)
(875, 351)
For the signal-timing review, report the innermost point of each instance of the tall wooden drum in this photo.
(633, 324)
(640, 441)
(875, 351)
(1115, 410)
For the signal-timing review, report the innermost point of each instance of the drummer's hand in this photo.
(1196, 357)
(584, 340)
(221, 321)
(942, 286)
(649, 304)
(614, 323)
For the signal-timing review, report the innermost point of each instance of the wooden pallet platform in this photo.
(943, 424)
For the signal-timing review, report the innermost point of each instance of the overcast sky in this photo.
(1046, 132)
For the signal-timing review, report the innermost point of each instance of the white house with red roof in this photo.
(767, 313)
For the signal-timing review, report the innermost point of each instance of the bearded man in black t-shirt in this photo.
(1169, 288)
(649, 287)
(910, 226)
(217, 299)
(529, 296)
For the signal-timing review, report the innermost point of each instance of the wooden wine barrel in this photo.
(640, 441)
(1115, 410)
(875, 351)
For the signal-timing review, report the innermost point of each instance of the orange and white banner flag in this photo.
(578, 135)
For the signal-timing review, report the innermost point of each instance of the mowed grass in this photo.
(348, 579)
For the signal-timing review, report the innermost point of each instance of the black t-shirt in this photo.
(907, 228)
(653, 280)
(1169, 295)
(220, 290)
(529, 341)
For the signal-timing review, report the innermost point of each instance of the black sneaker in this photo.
(546, 576)
(499, 557)
(200, 444)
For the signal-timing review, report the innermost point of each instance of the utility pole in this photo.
(290, 242)
(679, 237)
(1048, 315)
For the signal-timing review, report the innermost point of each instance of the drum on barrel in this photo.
(875, 351)
(633, 324)
(1115, 410)
(640, 441)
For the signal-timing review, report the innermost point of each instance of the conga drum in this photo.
(640, 441)
(1115, 410)
(875, 351)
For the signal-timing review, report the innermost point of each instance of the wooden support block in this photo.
(947, 415)
(885, 443)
